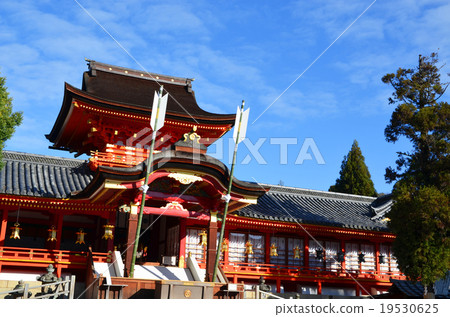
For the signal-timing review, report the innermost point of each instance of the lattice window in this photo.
(292, 244)
(331, 250)
(329, 254)
(280, 243)
(369, 258)
(236, 249)
(173, 242)
(351, 256)
(193, 244)
(390, 262)
(258, 248)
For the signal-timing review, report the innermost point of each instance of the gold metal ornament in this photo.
(52, 234)
(297, 252)
(80, 237)
(273, 250)
(224, 246)
(108, 232)
(248, 247)
(15, 233)
(203, 238)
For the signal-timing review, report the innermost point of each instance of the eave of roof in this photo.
(171, 159)
(37, 175)
(306, 206)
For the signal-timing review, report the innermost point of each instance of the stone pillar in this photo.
(212, 250)
(132, 228)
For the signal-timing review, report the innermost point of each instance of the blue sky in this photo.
(250, 50)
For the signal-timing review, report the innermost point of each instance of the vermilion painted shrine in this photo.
(299, 240)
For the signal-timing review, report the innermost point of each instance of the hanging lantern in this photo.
(108, 232)
(80, 237)
(361, 258)
(248, 247)
(15, 231)
(319, 254)
(273, 250)
(341, 256)
(297, 252)
(203, 238)
(224, 246)
(381, 258)
(52, 234)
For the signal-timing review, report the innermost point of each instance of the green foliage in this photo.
(8, 119)
(423, 120)
(420, 214)
(420, 218)
(354, 175)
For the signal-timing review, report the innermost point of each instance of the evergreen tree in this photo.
(8, 119)
(354, 175)
(420, 215)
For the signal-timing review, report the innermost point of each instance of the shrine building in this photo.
(72, 213)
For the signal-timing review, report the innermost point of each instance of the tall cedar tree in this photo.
(354, 175)
(420, 215)
(8, 119)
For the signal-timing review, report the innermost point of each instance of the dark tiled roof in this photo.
(415, 290)
(315, 207)
(408, 288)
(42, 176)
(132, 87)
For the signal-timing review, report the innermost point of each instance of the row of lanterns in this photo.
(52, 232)
(274, 250)
(248, 246)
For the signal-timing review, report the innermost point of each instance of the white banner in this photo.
(157, 119)
(242, 127)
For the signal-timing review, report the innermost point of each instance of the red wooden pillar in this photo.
(132, 228)
(267, 249)
(212, 248)
(278, 285)
(56, 222)
(3, 226)
(227, 239)
(357, 289)
(319, 288)
(377, 258)
(58, 226)
(111, 221)
(306, 253)
(182, 253)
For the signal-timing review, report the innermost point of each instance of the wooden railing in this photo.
(118, 156)
(43, 257)
(296, 271)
